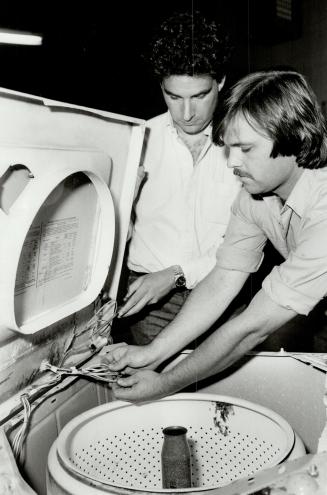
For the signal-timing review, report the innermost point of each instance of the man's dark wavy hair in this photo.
(189, 44)
(281, 104)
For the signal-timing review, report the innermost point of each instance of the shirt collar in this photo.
(300, 194)
(169, 120)
(298, 198)
(169, 123)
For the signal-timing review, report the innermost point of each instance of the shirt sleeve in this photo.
(301, 281)
(241, 249)
(244, 240)
(197, 269)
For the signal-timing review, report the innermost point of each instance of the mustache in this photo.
(241, 174)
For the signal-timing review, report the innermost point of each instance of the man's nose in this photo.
(188, 110)
(233, 159)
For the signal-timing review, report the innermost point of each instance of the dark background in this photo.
(92, 54)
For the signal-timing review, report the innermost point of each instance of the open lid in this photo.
(58, 227)
(67, 177)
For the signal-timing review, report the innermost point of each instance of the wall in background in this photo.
(92, 52)
(306, 54)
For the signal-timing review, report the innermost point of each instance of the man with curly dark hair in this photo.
(184, 205)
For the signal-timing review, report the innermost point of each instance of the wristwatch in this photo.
(179, 277)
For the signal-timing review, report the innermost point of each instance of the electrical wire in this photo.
(100, 328)
(99, 372)
(98, 325)
(22, 431)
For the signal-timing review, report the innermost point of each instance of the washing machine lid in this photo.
(57, 233)
(57, 163)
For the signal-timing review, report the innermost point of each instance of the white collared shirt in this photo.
(183, 209)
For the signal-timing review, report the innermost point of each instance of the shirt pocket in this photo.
(218, 201)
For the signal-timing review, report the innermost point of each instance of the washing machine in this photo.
(68, 178)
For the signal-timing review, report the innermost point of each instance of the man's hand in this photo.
(130, 358)
(147, 289)
(142, 386)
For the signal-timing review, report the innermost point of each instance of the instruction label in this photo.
(48, 253)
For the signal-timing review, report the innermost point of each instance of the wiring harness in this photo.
(98, 327)
(99, 372)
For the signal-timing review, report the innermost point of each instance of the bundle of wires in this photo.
(21, 433)
(20, 436)
(99, 326)
(99, 372)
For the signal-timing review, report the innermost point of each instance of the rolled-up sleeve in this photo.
(301, 281)
(197, 269)
(244, 240)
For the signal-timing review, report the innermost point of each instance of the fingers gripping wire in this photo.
(99, 327)
(100, 372)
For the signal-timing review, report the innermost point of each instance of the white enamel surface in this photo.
(118, 445)
(48, 296)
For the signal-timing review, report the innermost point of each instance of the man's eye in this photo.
(246, 150)
(172, 97)
(201, 96)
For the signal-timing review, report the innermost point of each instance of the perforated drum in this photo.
(119, 444)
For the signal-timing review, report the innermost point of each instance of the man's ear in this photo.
(221, 83)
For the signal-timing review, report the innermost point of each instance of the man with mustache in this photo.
(184, 205)
(275, 138)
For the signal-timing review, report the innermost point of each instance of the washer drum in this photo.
(118, 444)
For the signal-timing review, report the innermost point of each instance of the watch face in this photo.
(180, 281)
